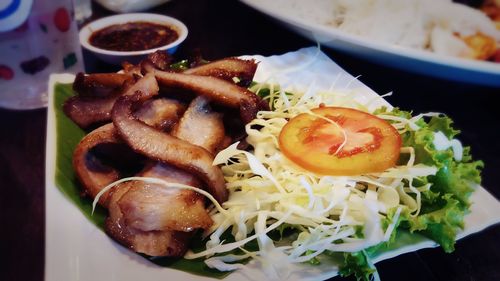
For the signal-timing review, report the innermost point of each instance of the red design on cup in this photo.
(6, 72)
(62, 19)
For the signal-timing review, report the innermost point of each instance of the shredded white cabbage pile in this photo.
(420, 24)
(267, 191)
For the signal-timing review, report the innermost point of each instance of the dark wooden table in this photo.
(228, 28)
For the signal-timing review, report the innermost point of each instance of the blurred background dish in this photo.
(316, 21)
(110, 38)
(83, 10)
(128, 6)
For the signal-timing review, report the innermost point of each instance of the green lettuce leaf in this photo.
(356, 264)
(447, 202)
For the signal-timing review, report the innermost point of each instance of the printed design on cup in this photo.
(62, 20)
(35, 65)
(44, 27)
(69, 60)
(45, 42)
(6, 73)
(10, 9)
(13, 13)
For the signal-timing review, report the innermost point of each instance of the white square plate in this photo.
(77, 250)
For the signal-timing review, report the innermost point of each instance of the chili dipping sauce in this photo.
(133, 36)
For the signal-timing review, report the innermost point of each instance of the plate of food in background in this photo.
(442, 38)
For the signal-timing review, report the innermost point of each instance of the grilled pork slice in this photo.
(87, 110)
(217, 90)
(154, 207)
(160, 221)
(164, 147)
(92, 174)
(228, 69)
(153, 243)
(161, 113)
(99, 85)
(201, 126)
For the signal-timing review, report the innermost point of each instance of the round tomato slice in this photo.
(340, 141)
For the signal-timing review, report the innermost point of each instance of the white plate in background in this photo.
(309, 17)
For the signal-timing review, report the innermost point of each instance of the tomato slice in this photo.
(340, 141)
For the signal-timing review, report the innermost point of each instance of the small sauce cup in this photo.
(117, 57)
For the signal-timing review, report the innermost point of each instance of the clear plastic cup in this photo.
(45, 41)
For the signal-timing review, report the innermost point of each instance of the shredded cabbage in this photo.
(268, 191)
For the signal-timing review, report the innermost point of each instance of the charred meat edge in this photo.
(99, 85)
(228, 69)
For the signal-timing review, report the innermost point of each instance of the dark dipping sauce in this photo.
(133, 36)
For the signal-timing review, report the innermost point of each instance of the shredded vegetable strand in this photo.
(344, 134)
(161, 182)
(222, 248)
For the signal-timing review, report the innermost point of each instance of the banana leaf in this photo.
(68, 136)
